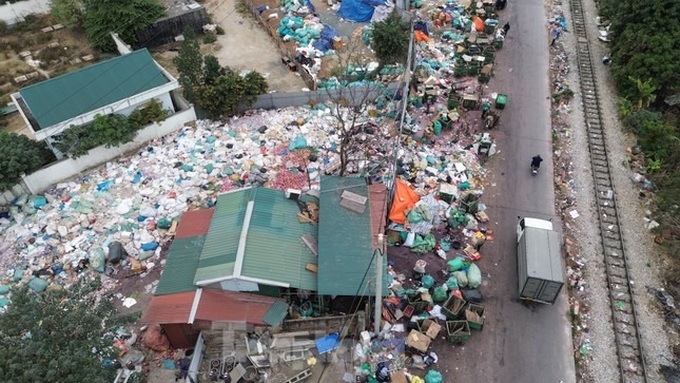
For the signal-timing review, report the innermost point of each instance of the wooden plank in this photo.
(312, 267)
(311, 243)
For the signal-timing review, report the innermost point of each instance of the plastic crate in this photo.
(458, 331)
(478, 310)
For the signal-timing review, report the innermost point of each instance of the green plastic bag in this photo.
(163, 223)
(427, 281)
(4, 289)
(38, 284)
(3, 302)
(461, 278)
(440, 294)
(423, 244)
(433, 376)
(452, 283)
(437, 128)
(474, 275)
(98, 261)
(456, 264)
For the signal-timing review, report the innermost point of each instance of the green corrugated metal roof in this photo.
(61, 98)
(178, 273)
(274, 250)
(276, 314)
(345, 243)
(221, 243)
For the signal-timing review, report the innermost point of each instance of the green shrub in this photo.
(20, 155)
(209, 38)
(219, 30)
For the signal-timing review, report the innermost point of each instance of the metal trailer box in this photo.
(539, 263)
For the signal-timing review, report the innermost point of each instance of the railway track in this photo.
(627, 335)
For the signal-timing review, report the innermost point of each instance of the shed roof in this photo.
(210, 305)
(230, 306)
(194, 223)
(171, 308)
(346, 245)
(255, 234)
(70, 95)
(180, 267)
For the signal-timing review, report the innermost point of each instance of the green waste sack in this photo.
(4, 289)
(38, 284)
(163, 223)
(474, 275)
(437, 127)
(461, 278)
(414, 217)
(3, 302)
(440, 294)
(456, 264)
(433, 376)
(427, 281)
(209, 168)
(187, 168)
(97, 261)
(452, 283)
(423, 244)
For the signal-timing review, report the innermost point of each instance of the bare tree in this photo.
(356, 83)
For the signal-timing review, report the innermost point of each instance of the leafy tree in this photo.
(256, 84)
(657, 138)
(20, 155)
(390, 40)
(211, 70)
(645, 44)
(57, 335)
(189, 64)
(122, 16)
(68, 12)
(113, 130)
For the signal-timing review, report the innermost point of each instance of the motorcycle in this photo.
(534, 170)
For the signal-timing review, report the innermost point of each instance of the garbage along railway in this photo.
(629, 351)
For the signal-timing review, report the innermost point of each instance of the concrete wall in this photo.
(354, 96)
(44, 178)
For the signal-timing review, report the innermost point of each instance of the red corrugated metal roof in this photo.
(215, 306)
(171, 308)
(194, 223)
(377, 197)
(223, 306)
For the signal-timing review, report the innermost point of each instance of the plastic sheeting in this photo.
(404, 199)
(360, 11)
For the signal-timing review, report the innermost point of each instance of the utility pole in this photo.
(377, 319)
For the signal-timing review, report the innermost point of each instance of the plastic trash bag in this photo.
(474, 275)
(461, 277)
(456, 264)
(433, 376)
(472, 295)
(440, 294)
(410, 237)
(452, 283)
(37, 284)
(427, 281)
(98, 261)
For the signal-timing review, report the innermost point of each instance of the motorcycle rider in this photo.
(536, 161)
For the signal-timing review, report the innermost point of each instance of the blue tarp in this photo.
(359, 11)
(328, 343)
(325, 41)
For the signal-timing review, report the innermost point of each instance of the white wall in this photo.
(13, 13)
(44, 178)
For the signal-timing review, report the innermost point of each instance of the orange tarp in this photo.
(404, 199)
(421, 37)
(479, 24)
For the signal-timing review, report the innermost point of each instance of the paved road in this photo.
(520, 342)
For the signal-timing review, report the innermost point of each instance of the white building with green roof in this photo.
(118, 85)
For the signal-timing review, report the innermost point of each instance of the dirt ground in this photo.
(246, 45)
